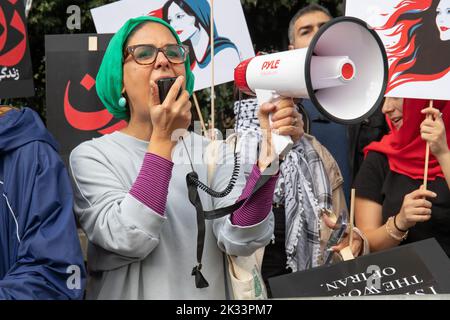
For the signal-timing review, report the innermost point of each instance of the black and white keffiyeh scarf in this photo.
(303, 187)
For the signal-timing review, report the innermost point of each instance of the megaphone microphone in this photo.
(343, 72)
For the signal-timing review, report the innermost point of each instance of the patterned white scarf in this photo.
(303, 187)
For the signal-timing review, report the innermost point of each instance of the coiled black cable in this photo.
(192, 178)
(219, 194)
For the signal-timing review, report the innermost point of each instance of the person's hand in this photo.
(357, 242)
(415, 208)
(287, 120)
(170, 114)
(432, 130)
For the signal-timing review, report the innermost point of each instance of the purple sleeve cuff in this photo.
(256, 208)
(152, 183)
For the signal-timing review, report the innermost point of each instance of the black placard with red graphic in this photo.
(74, 111)
(16, 72)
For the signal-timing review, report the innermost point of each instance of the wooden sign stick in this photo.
(199, 113)
(346, 253)
(427, 157)
(352, 216)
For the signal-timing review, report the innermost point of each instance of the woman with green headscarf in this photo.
(131, 196)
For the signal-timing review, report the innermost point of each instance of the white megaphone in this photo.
(344, 73)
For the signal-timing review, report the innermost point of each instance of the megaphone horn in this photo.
(344, 72)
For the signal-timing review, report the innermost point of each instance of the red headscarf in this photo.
(404, 148)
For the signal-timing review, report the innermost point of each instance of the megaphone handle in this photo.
(281, 144)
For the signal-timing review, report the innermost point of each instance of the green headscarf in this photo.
(109, 80)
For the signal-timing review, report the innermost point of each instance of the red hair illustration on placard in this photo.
(422, 52)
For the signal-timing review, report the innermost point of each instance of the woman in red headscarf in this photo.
(391, 205)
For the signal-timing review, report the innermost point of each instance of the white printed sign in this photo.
(191, 19)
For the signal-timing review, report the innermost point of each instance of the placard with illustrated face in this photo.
(74, 111)
(416, 35)
(191, 20)
(16, 72)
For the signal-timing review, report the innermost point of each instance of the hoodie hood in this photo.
(20, 127)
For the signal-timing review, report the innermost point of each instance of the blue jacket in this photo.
(40, 254)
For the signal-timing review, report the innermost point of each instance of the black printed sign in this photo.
(417, 268)
(74, 111)
(16, 73)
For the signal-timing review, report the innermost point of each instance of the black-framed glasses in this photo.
(146, 54)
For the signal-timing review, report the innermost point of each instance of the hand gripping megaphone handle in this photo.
(282, 144)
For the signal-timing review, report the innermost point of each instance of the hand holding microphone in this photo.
(173, 113)
(167, 116)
